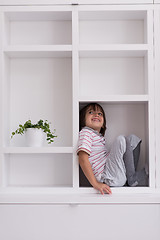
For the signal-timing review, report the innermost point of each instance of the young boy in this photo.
(104, 169)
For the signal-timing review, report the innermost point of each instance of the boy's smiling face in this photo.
(94, 119)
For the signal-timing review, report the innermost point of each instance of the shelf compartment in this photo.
(116, 27)
(40, 88)
(113, 73)
(125, 118)
(32, 28)
(38, 170)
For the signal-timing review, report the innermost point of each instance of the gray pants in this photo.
(131, 158)
(122, 162)
(114, 173)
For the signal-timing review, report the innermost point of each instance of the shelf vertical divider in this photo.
(3, 104)
(151, 122)
(75, 94)
(1, 94)
(157, 88)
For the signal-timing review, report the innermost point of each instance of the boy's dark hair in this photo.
(82, 116)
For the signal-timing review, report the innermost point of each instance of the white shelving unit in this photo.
(55, 59)
(56, 56)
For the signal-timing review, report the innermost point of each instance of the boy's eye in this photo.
(98, 113)
(91, 112)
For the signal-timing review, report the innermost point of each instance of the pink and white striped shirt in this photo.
(93, 143)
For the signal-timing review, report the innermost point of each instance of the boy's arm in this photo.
(87, 169)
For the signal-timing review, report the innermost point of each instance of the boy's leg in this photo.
(114, 172)
(135, 146)
(134, 177)
(136, 153)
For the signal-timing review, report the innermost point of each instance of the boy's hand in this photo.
(102, 187)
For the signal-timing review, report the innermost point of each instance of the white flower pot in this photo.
(34, 137)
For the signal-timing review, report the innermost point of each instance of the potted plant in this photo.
(35, 132)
